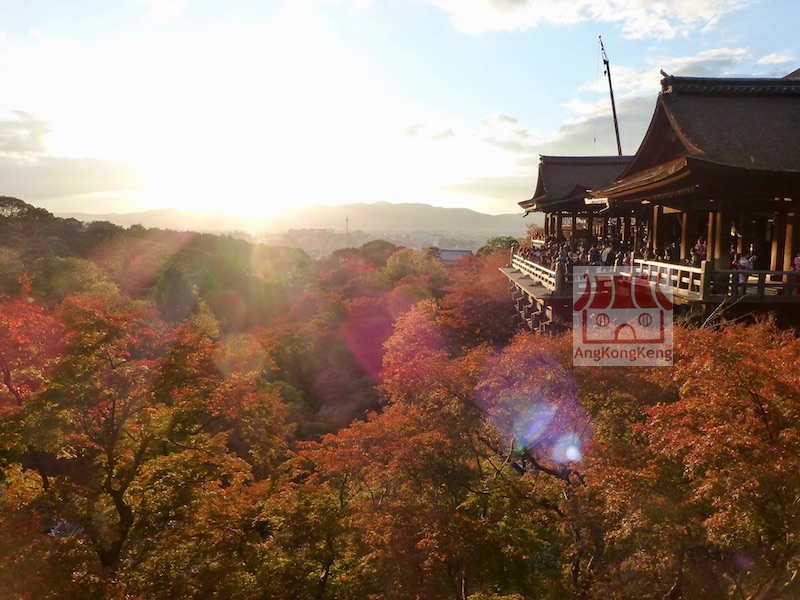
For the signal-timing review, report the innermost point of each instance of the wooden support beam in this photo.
(657, 234)
(721, 249)
(791, 243)
(777, 252)
(687, 233)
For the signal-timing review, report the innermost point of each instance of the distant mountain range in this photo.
(378, 217)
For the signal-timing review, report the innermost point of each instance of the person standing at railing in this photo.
(741, 263)
(694, 259)
(594, 255)
(701, 249)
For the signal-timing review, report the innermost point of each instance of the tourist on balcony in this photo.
(741, 263)
(594, 254)
(701, 249)
(694, 258)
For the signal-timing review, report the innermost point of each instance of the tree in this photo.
(731, 445)
(476, 307)
(377, 252)
(30, 346)
(139, 425)
(500, 242)
(419, 504)
(407, 262)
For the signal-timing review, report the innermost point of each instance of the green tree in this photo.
(500, 242)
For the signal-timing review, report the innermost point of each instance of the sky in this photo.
(255, 105)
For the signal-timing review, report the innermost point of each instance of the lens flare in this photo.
(533, 425)
(566, 449)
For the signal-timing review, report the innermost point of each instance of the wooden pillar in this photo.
(637, 234)
(658, 226)
(559, 232)
(710, 230)
(777, 252)
(590, 225)
(686, 236)
(626, 230)
(791, 244)
(721, 249)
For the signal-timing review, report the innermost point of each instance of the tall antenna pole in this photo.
(611, 90)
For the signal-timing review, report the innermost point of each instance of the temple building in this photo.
(562, 190)
(717, 173)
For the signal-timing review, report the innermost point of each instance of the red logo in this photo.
(606, 295)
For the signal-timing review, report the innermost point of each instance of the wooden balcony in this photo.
(688, 284)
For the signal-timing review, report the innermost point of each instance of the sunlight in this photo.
(233, 120)
(257, 119)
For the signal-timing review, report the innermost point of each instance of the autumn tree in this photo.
(30, 339)
(716, 512)
(476, 307)
(140, 425)
(419, 502)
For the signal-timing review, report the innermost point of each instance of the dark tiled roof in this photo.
(450, 256)
(564, 179)
(749, 127)
(793, 75)
(747, 123)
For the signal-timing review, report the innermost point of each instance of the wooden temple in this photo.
(718, 170)
(562, 190)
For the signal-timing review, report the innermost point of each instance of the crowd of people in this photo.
(552, 253)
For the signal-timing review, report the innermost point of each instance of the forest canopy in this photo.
(190, 415)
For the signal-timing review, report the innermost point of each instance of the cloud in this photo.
(23, 135)
(444, 135)
(509, 134)
(654, 19)
(775, 59)
(719, 62)
(498, 194)
(414, 129)
(428, 132)
(51, 177)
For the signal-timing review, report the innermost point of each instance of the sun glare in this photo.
(254, 120)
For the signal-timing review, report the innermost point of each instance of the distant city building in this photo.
(452, 256)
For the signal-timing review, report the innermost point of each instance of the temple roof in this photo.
(745, 129)
(564, 180)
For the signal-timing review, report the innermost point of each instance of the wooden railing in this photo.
(535, 271)
(755, 286)
(686, 282)
(689, 283)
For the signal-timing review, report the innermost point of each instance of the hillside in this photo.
(378, 217)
